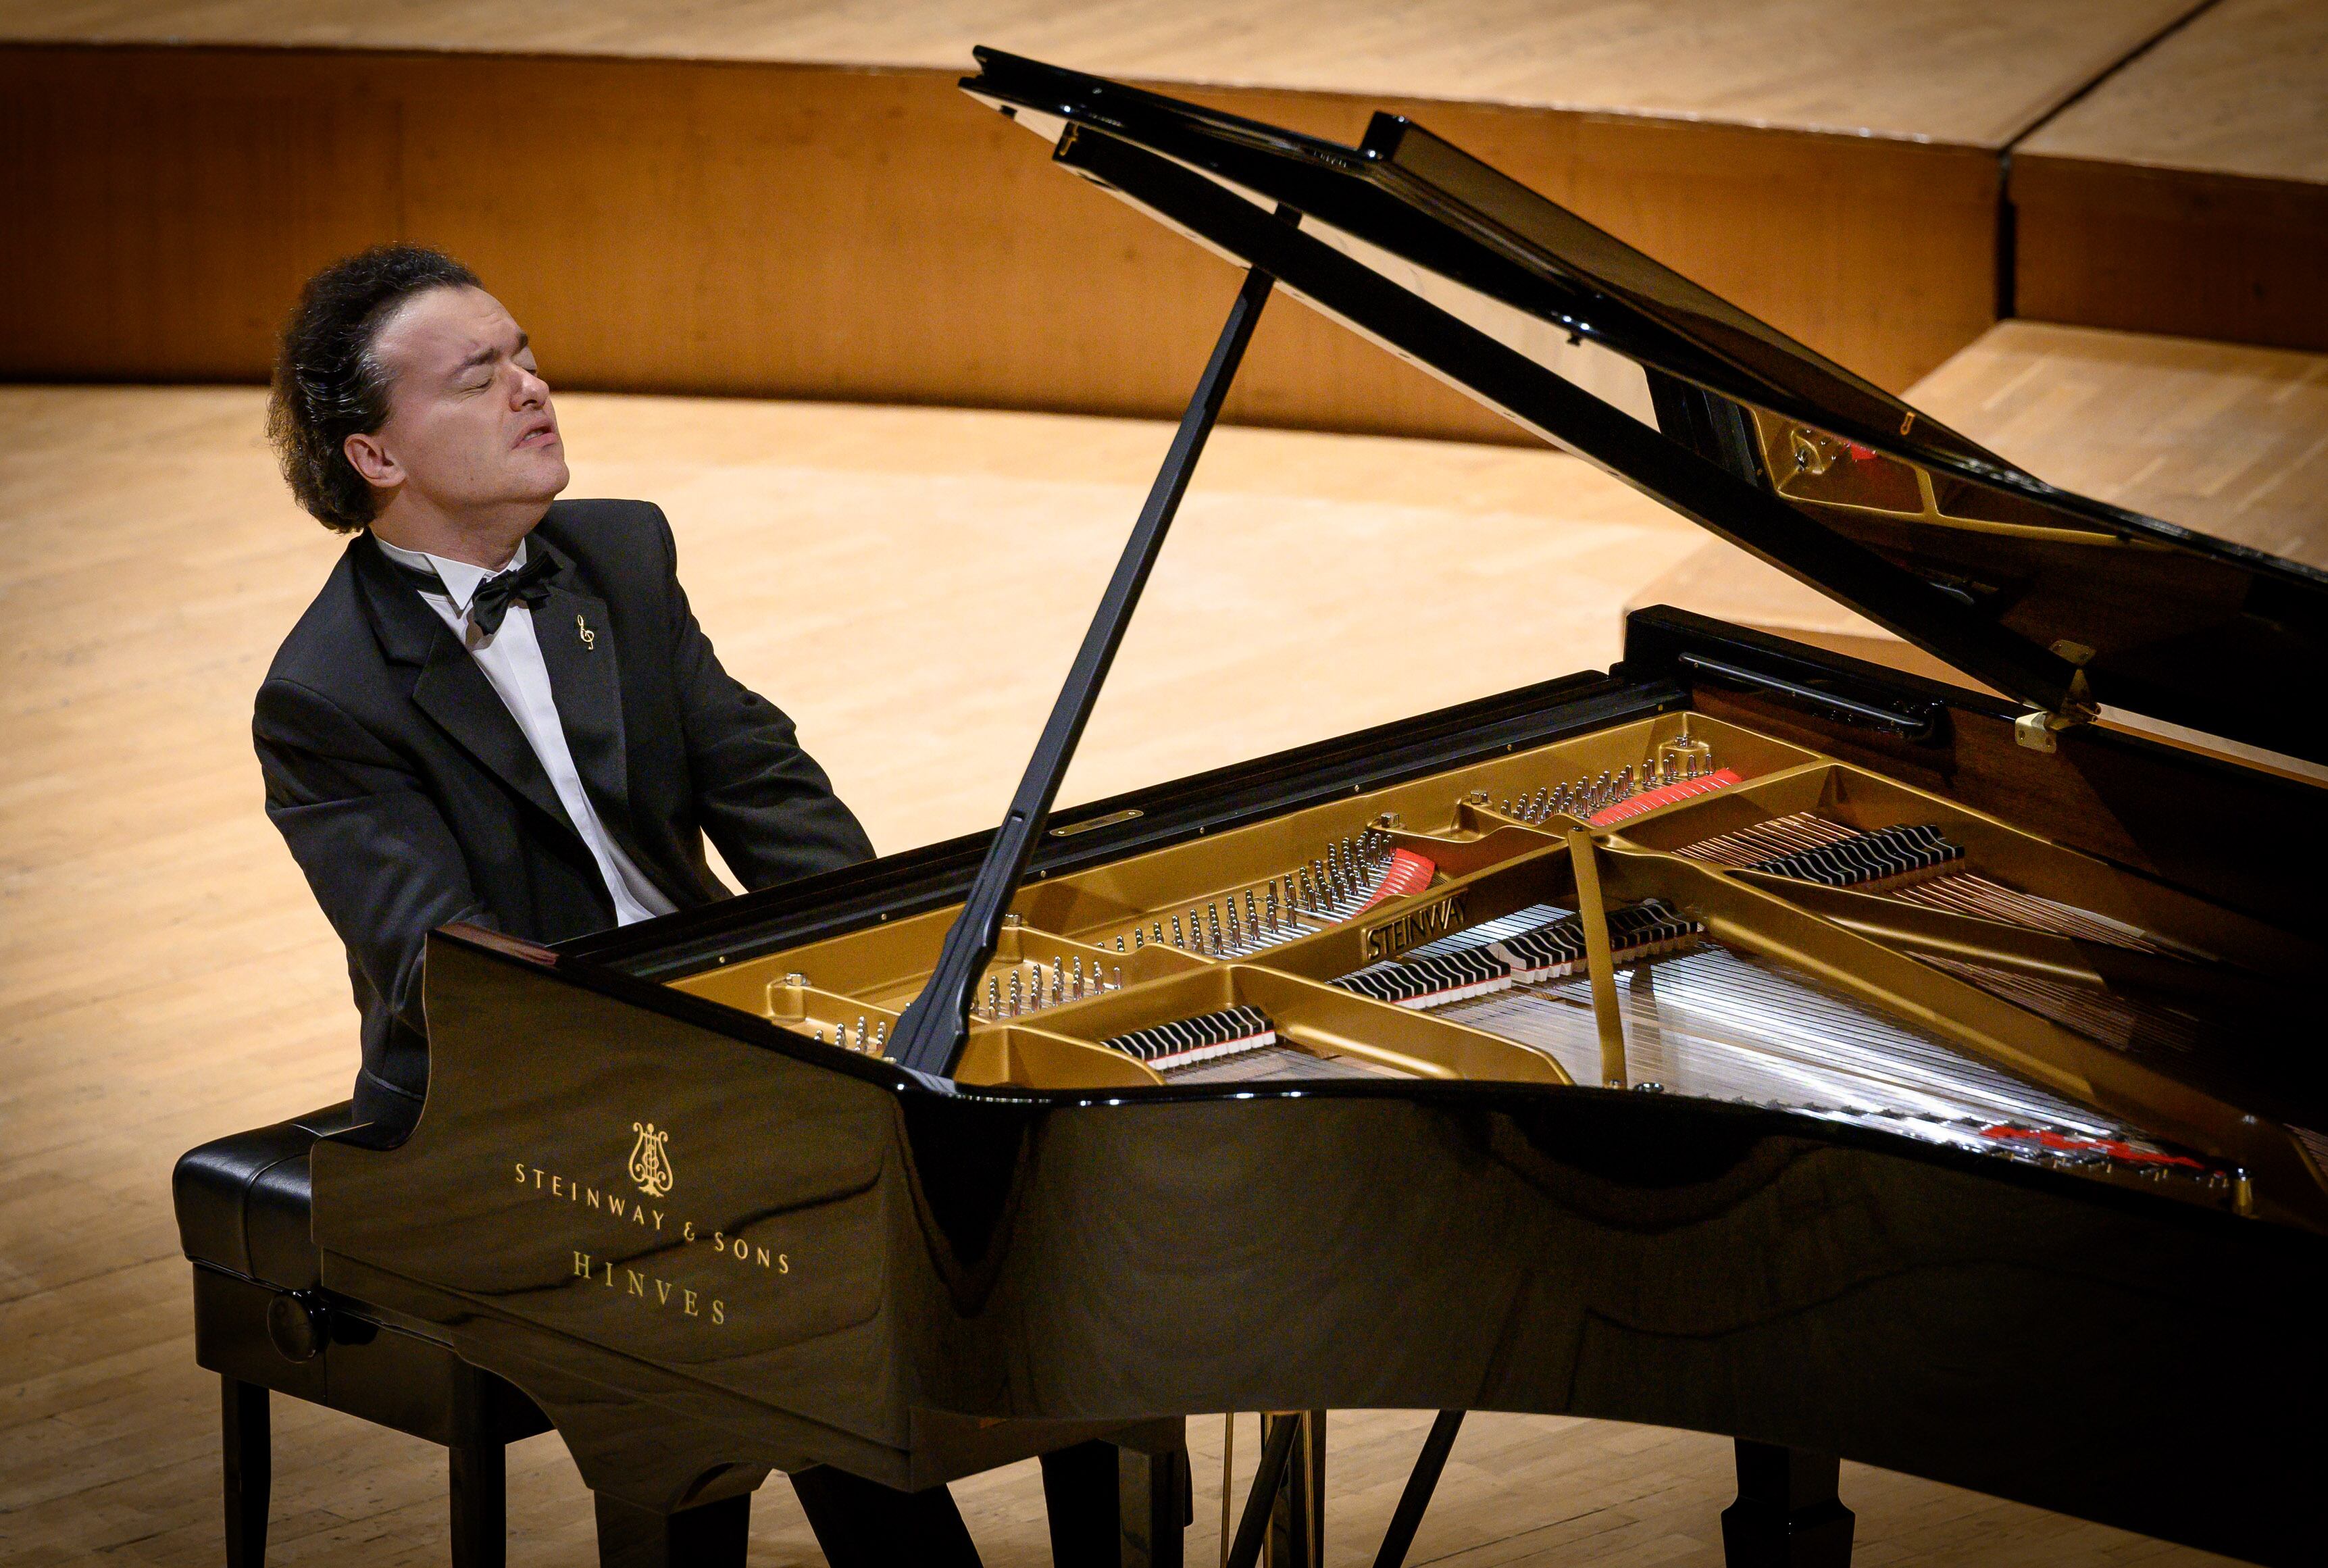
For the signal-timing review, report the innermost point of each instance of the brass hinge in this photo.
(2035, 729)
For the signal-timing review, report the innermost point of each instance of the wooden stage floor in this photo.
(910, 584)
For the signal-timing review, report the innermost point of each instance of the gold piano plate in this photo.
(1999, 1002)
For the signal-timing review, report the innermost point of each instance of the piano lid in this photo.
(2063, 602)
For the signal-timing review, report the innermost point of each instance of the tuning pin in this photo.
(1058, 980)
(1116, 978)
(1270, 905)
(880, 1037)
(1157, 940)
(1176, 932)
(993, 996)
(1139, 940)
(1018, 1001)
(1119, 944)
(1078, 991)
(1251, 914)
(860, 1047)
(1235, 940)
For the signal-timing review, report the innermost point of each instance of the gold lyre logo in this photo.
(650, 1159)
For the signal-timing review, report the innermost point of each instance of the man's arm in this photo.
(381, 859)
(765, 803)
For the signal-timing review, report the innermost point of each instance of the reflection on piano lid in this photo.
(2067, 604)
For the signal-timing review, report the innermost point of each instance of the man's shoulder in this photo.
(620, 545)
(316, 654)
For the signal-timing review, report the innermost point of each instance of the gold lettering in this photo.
(719, 1312)
(719, 1240)
(662, 1293)
(784, 1265)
(557, 1186)
(687, 1231)
(638, 1283)
(610, 1276)
(593, 1197)
(658, 1219)
(520, 1173)
(582, 1264)
(638, 1214)
(760, 1256)
(1419, 925)
(537, 1178)
(613, 1205)
(686, 1302)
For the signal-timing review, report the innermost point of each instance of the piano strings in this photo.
(1351, 876)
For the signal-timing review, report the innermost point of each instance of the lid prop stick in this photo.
(931, 1035)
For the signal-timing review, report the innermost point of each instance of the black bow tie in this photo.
(529, 585)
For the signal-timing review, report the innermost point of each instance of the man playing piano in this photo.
(499, 708)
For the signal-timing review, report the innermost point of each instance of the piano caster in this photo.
(1786, 1514)
(1116, 1507)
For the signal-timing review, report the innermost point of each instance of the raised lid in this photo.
(2065, 603)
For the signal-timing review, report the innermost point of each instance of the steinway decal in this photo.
(1414, 927)
(649, 1170)
(651, 1160)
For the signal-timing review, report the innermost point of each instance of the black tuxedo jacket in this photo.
(410, 798)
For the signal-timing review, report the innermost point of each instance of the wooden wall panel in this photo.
(2193, 253)
(758, 228)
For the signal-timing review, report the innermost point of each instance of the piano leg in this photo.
(707, 1535)
(1786, 1514)
(862, 1523)
(1117, 1507)
(1156, 1506)
(249, 1464)
(477, 1466)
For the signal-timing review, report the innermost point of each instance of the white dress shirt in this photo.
(512, 661)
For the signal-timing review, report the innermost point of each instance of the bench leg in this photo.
(708, 1536)
(248, 1463)
(477, 1468)
(1786, 1514)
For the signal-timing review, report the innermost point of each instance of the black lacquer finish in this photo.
(1058, 1265)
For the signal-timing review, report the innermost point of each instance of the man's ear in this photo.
(369, 457)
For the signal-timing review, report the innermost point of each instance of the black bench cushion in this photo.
(244, 1201)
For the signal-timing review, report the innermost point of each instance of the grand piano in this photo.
(1745, 1038)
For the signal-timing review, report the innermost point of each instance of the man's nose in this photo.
(531, 389)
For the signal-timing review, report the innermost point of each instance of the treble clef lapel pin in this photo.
(589, 637)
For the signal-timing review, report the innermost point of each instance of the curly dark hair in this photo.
(327, 385)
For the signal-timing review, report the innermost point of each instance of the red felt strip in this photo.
(1409, 873)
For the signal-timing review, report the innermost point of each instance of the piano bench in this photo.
(263, 1323)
